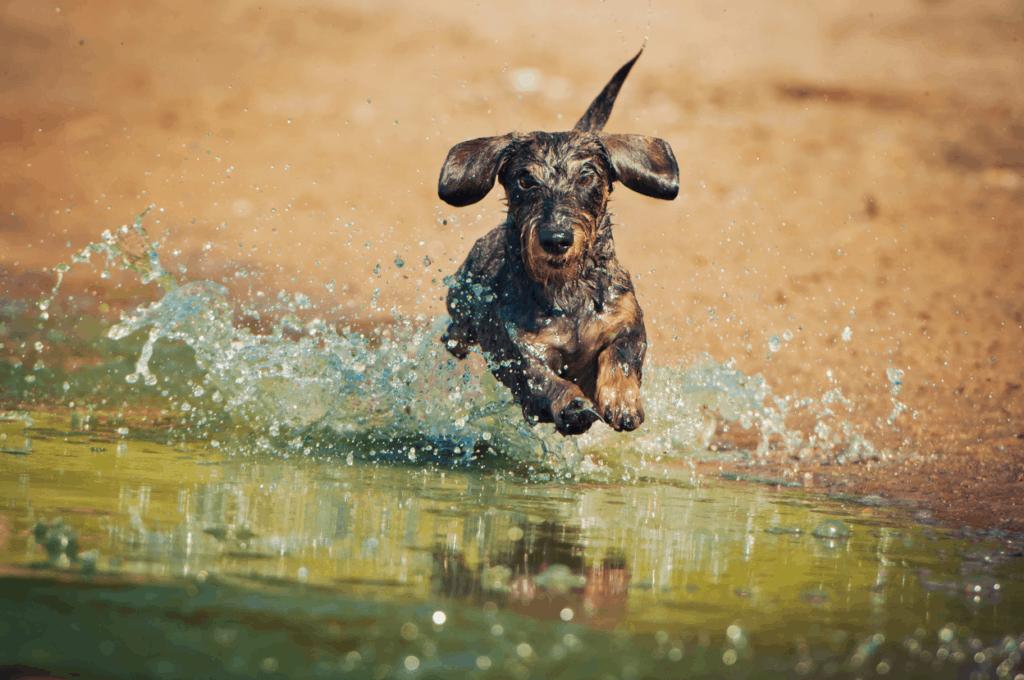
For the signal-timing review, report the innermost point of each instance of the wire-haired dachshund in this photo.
(543, 294)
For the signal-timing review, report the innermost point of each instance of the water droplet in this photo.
(895, 376)
(774, 343)
(399, 262)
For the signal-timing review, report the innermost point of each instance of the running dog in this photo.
(543, 294)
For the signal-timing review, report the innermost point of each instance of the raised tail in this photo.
(601, 108)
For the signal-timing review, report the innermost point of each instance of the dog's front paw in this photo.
(576, 417)
(621, 407)
(457, 340)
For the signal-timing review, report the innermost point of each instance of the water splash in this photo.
(306, 389)
(895, 377)
(128, 249)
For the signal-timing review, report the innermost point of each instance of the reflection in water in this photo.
(365, 560)
(399, 532)
(544, 576)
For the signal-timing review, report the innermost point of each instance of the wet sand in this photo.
(851, 179)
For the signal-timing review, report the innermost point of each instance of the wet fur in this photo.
(563, 330)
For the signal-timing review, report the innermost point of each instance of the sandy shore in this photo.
(851, 179)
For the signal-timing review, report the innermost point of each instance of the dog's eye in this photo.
(587, 177)
(527, 181)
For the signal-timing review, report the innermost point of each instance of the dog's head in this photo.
(557, 184)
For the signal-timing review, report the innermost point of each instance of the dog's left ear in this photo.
(469, 171)
(644, 164)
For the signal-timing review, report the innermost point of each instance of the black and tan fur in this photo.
(543, 294)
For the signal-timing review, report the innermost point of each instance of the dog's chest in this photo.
(554, 329)
(560, 339)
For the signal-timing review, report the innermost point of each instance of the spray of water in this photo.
(403, 398)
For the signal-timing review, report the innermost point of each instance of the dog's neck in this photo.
(572, 293)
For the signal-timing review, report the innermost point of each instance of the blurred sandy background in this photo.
(851, 177)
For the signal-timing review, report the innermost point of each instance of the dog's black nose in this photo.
(556, 241)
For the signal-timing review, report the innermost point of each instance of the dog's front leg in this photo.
(543, 395)
(619, 372)
(553, 399)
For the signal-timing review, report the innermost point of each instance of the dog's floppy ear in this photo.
(469, 171)
(644, 164)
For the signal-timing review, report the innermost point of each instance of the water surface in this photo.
(127, 556)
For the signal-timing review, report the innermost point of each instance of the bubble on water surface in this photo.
(831, 528)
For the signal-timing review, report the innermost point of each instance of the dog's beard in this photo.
(551, 271)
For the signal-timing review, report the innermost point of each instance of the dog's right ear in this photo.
(469, 172)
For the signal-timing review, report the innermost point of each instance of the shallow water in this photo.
(127, 556)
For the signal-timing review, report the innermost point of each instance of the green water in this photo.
(186, 560)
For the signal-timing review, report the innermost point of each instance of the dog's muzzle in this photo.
(556, 241)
